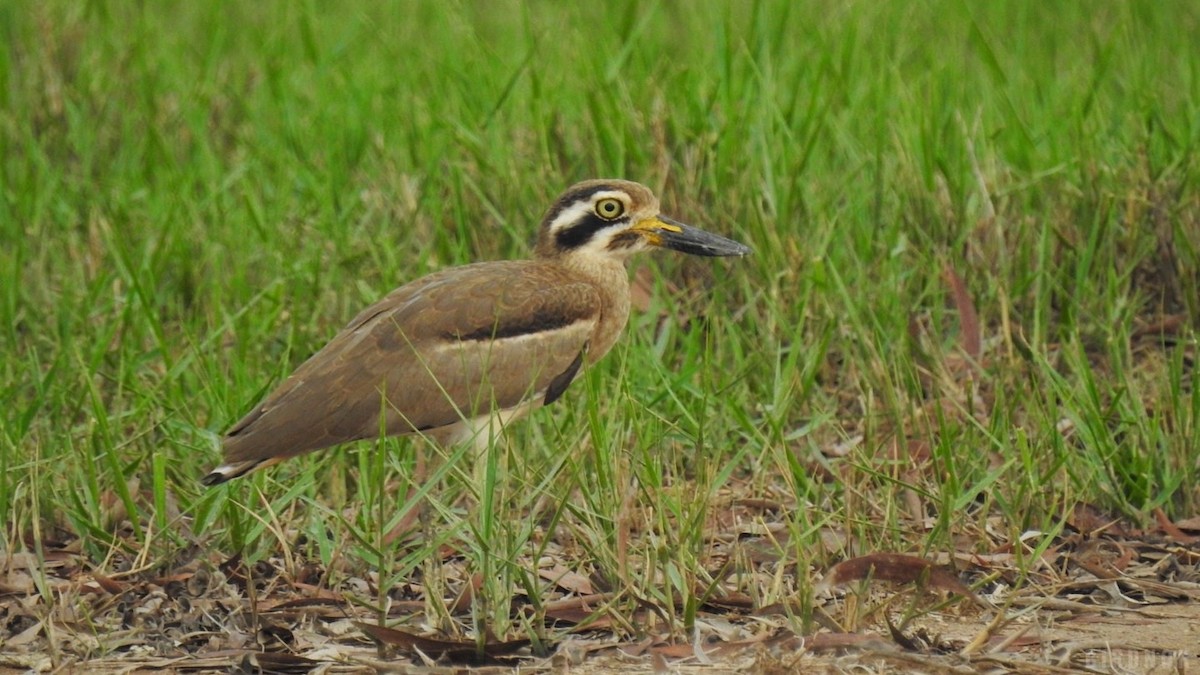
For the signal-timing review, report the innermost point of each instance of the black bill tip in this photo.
(672, 234)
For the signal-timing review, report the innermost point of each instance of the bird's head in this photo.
(613, 219)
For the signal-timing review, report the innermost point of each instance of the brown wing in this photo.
(433, 352)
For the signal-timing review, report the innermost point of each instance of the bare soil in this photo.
(1102, 599)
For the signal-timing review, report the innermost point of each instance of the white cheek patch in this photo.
(571, 215)
(599, 243)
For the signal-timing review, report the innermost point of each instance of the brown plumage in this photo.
(451, 351)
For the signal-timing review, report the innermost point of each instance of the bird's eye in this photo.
(609, 208)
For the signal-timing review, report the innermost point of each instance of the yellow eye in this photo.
(609, 209)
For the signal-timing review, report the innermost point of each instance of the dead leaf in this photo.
(1170, 325)
(896, 568)
(24, 637)
(466, 650)
(968, 317)
(758, 504)
(1103, 559)
(1191, 524)
(17, 582)
(110, 585)
(1092, 520)
(731, 601)
(912, 451)
(579, 610)
(276, 662)
(641, 295)
(567, 580)
(299, 605)
(641, 289)
(678, 650)
(466, 597)
(825, 642)
(1172, 530)
(636, 648)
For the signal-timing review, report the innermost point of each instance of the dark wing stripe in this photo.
(546, 320)
(563, 380)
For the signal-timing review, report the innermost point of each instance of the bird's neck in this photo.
(611, 279)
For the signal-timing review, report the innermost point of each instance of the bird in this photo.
(450, 353)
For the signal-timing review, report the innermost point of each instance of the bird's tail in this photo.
(227, 472)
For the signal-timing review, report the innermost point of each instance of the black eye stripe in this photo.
(581, 231)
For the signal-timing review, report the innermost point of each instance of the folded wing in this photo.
(448, 347)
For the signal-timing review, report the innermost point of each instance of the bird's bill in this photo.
(667, 233)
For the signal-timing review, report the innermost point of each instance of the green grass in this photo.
(196, 197)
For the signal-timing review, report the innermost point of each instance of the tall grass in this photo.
(196, 196)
